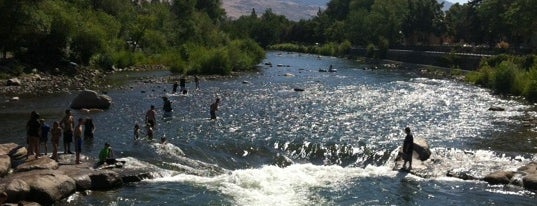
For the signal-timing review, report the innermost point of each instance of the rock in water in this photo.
(421, 147)
(89, 99)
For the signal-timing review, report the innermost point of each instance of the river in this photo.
(341, 133)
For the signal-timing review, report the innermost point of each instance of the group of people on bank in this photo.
(71, 130)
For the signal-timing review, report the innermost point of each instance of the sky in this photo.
(458, 1)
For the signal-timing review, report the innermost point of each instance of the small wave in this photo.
(270, 185)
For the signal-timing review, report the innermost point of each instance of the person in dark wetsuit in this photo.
(175, 85)
(182, 84)
(89, 129)
(408, 148)
(167, 104)
(33, 132)
(214, 108)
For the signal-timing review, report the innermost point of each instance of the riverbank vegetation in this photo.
(183, 35)
(508, 75)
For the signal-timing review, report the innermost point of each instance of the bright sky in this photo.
(458, 1)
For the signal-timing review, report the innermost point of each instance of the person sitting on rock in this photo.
(106, 155)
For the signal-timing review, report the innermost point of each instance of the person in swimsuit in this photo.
(214, 108)
(45, 129)
(68, 125)
(78, 139)
(150, 116)
(56, 134)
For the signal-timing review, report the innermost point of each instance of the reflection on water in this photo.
(340, 132)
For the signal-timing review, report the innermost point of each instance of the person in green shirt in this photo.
(106, 155)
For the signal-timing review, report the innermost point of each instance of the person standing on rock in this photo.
(68, 125)
(56, 134)
(45, 129)
(408, 148)
(33, 132)
(78, 139)
(214, 108)
(150, 116)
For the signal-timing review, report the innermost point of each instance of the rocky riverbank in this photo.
(45, 181)
(39, 83)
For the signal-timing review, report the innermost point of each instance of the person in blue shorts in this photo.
(45, 129)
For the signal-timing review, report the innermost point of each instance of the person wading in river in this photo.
(78, 139)
(214, 108)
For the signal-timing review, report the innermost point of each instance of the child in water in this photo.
(136, 131)
(149, 131)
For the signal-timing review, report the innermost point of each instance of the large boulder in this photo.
(421, 148)
(499, 177)
(46, 186)
(16, 190)
(16, 153)
(5, 165)
(88, 99)
(40, 163)
(87, 178)
(13, 82)
(530, 181)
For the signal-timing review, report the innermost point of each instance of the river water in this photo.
(341, 134)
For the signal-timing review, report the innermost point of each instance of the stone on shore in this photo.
(13, 82)
(88, 99)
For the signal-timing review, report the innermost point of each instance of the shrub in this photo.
(370, 50)
(504, 78)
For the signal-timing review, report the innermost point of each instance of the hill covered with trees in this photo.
(387, 23)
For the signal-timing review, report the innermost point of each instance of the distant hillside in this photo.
(292, 9)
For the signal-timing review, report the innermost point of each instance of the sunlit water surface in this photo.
(340, 132)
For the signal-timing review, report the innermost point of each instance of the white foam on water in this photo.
(271, 185)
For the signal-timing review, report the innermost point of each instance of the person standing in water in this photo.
(182, 83)
(167, 104)
(197, 81)
(214, 108)
(175, 85)
(150, 116)
(408, 148)
(78, 139)
(136, 131)
(89, 129)
(68, 125)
